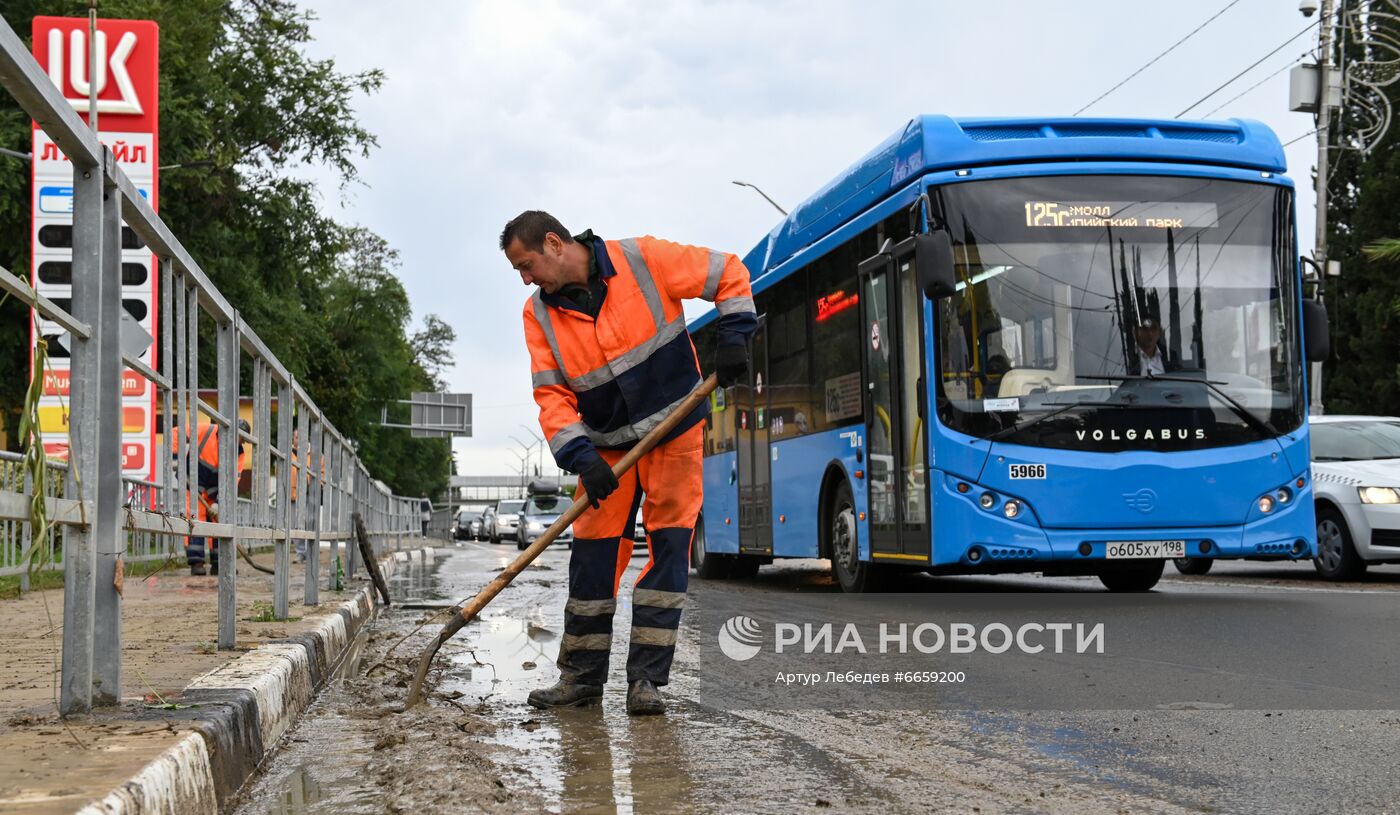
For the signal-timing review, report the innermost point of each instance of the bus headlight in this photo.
(987, 500)
(1266, 504)
(1379, 495)
(1283, 495)
(1012, 508)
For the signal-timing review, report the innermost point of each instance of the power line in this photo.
(1159, 56)
(1251, 87)
(1300, 138)
(1252, 66)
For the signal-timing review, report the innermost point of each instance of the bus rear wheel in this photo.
(1132, 575)
(707, 565)
(1193, 565)
(852, 575)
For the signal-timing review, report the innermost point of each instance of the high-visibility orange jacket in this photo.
(206, 442)
(605, 382)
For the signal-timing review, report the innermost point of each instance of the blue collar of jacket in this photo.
(599, 251)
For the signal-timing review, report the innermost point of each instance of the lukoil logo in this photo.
(740, 638)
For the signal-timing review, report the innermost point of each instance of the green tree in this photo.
(243, 102)
(1363, 375)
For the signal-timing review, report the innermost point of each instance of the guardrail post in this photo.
(110, 537)
(286, 478)
(352, 552)
(311, 591)
(227, 333)
(166, 315)
(84, 405)
(26, 534)
(333, 509)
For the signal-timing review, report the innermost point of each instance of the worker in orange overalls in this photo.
(610, 357)
(207, 478)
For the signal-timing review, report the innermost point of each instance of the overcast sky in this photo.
(633, 117)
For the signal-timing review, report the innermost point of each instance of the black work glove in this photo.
(731, 363)
(597, 479)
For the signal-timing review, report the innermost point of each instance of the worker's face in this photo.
(1147, 336)
(544, 268)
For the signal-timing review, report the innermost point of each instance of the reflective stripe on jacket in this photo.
(607, 382)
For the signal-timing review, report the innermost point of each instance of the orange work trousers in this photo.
(666, 485)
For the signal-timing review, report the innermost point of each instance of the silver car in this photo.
(505, 521)
(1356, 486)
(539, 513)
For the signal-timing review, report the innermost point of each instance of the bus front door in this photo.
(755, 486)
(893, 359)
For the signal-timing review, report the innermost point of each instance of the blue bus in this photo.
(1069, 346)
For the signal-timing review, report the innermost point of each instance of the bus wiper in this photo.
(1214, 387)
(1060, 407)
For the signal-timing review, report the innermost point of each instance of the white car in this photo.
(1356, 485)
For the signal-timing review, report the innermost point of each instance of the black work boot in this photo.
(565, 694)
(197, 569)
(643, 699)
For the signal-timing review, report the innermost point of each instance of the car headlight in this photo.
(1379, 495)
(535, 526)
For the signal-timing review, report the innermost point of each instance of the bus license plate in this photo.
(1145, 549)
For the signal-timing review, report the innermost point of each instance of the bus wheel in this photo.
(1336, 555)
(1193, 565)
(1132, 575)
(851, 574)
(707, 565)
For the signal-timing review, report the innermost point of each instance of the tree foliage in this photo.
(241, 97)
(1363, 375)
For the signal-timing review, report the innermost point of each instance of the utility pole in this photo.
(1324, 127)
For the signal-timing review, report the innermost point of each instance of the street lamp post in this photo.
(539, 443)
(1324, 126)
(755, 188)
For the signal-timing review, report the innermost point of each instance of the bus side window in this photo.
(836, 338)
(789, 381)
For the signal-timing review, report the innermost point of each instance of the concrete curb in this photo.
(244, 708)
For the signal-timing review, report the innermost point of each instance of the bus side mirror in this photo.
(933, 262)
(1317, 345)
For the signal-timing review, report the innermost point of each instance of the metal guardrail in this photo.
(301, 491)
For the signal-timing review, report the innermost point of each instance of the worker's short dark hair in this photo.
(530, 227)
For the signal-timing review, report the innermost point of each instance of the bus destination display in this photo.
(1140, 214)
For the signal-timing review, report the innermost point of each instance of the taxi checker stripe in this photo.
(644, 635)
(657, 598)
(717, 260)
(541, 379)
(590, 608)
(633, 253)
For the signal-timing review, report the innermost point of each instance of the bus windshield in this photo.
(1120, 313)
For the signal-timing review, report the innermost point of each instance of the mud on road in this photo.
(477, 747)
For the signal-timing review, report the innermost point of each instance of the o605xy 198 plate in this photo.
(1116, 550)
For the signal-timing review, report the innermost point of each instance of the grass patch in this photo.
(262, 613)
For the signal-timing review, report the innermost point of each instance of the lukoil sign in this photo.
(128, 106)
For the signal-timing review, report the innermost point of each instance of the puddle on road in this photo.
(595, 759)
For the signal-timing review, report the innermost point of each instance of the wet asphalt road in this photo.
(703, 757)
